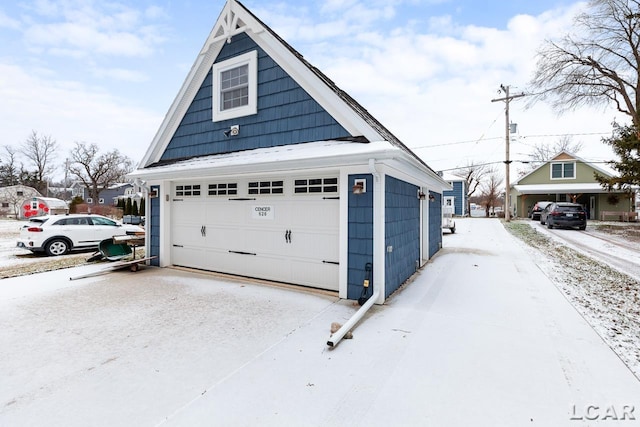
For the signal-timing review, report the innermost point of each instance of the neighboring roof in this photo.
(565, 156)
(53, 202)
(450, 177)
(235, 19)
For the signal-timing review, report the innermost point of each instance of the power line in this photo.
(446, 144)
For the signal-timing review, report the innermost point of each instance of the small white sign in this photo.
(262, 212)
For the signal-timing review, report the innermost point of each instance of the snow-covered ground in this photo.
(597, 272)
(14, 260)
(481, 337)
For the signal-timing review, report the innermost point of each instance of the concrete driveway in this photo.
(481, 337)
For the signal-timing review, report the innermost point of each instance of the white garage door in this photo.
(276, 229)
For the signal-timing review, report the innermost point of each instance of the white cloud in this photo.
(434, 88)
(71, 111)
(92, 28)
(8, 22)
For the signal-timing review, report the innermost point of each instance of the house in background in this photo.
(11, 199)
(264, 168)
(108, 196)
(458, 196)
(568, 178)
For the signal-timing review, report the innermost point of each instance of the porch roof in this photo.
(563, 188)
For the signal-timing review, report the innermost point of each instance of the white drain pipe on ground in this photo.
(340, 333)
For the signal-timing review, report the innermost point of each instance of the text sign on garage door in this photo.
(262, 212)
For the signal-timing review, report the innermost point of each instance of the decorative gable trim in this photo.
(236, 19)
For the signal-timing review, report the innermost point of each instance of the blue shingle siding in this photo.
(360, 246)
(286, 114)
(402, 232)
(459, 192)
(154, 227)
(435, 224)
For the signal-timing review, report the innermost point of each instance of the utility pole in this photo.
(507, 162)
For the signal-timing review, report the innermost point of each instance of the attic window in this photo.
(235, 87)
(563, 170)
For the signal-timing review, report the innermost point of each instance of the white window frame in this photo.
(563, 171)
(250, 59)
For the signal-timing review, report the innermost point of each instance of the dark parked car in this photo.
(537, 209)
(564, 215)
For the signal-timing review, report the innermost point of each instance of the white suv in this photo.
(59, 234)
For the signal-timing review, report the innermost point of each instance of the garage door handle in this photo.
(287, 236)
(203, 231)
(242, 253)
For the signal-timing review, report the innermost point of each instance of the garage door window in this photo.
(229, 189)
(188, 190)
(266, 187)
(316, 185)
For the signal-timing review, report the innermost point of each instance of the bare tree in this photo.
(98, 171)
(473, 174)
(597, 64)
(543, 153)
(41, 152)
(9, 170)
(491, 190)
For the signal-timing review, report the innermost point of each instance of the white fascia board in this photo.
(559, 188)
(415, 168)
(282, 158)
(408, 173)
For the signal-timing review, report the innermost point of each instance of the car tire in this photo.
(542, 222)
(57, 247)
(549, 225)
(583, 228)
(453, 230)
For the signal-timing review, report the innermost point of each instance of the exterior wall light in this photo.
(359, 186)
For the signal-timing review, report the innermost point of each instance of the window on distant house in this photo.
(235, 87)
(563, 170)
(101, 201)
(89, 200)
(19, 193)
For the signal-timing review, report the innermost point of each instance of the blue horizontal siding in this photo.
(459, 194)
(287, 114)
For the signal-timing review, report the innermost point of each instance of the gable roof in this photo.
(235, 19)
(563, 156)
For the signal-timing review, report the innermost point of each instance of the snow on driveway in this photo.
(621, 254)
(481, 337)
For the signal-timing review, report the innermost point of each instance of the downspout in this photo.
(340, 333)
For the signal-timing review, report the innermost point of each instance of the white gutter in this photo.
(340, 333)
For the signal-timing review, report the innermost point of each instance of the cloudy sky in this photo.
(106, 72)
